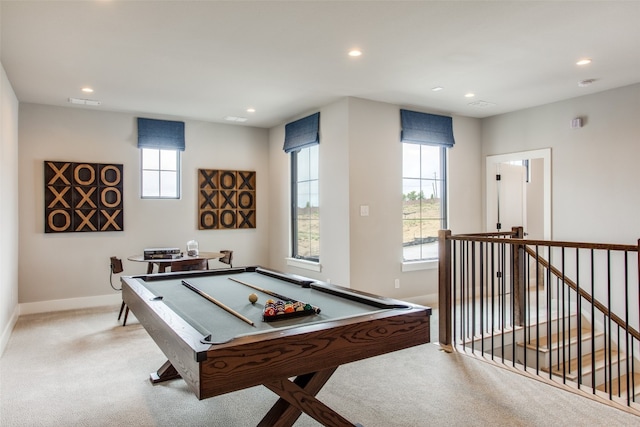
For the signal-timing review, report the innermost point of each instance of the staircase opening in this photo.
(565, 312)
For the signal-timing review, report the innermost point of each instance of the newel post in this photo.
(519, 283)
(444, 289)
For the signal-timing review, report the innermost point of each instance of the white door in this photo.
(507, 198)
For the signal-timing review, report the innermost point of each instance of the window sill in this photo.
(305, 265)
(419, 265)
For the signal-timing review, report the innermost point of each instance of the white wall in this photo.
(335, 192)
(375, 180)
(595, 170)
(361, 157)
(56, 268)
(8, 209)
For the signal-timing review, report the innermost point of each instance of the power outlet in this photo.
(397, 283)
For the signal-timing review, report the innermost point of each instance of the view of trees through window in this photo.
(306, 215)
(423, 200)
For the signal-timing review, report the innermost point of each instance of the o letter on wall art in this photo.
(226, 199)
(82, 197)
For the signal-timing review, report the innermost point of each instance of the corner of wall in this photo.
(9, 208)
(8, 329)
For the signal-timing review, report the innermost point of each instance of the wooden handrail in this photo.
(549, 243)
(582, 292)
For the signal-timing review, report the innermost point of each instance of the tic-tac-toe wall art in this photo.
(81, 197)
(226, 199)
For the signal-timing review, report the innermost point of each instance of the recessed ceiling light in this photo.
(87, 90)
(584, 61)
(437, 88)
(251, 110)
(355, 52)
(469, 95)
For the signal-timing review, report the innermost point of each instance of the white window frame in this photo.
(165, 186)
(294, 201)
(430, 262)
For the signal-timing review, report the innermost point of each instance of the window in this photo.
(160, 143)
(305, 213)
(425, 140)
(423, 200)
(160, 173)
(301, 139)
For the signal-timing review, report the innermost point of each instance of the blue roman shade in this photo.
(302, 133)
(423, 128)
(160, 134)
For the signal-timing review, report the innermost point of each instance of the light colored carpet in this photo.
(81, 368)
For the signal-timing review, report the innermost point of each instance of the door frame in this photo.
(545, 155)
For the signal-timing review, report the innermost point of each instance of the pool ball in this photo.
(253, 298)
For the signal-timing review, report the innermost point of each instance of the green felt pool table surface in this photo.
(222, 326)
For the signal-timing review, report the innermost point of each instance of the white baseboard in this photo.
(6, 334)
(69, 304)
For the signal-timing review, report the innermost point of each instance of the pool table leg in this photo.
(298, 396)
(165, 373)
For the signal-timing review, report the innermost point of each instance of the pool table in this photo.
(226, 346)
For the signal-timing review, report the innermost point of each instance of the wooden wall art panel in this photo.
(226, 199)
(80, 197)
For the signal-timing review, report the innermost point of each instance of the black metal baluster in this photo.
(525, 308)
(626, 329)
(608, 361)
(454, 282)
(493, 298)
(538, 310)
(472, 300)
(562, 336)
(549, 304)
(593, 325)
(579, 319)
(502, 296)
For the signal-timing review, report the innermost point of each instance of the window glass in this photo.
(160, 174)
(303, 173)
(424, 200)
(150, 159)
(169, 160)
(168, 184)
(305, 213)
(150, 183)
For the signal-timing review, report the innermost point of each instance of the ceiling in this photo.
(207, 60)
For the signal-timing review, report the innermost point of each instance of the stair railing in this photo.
(567, 311)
